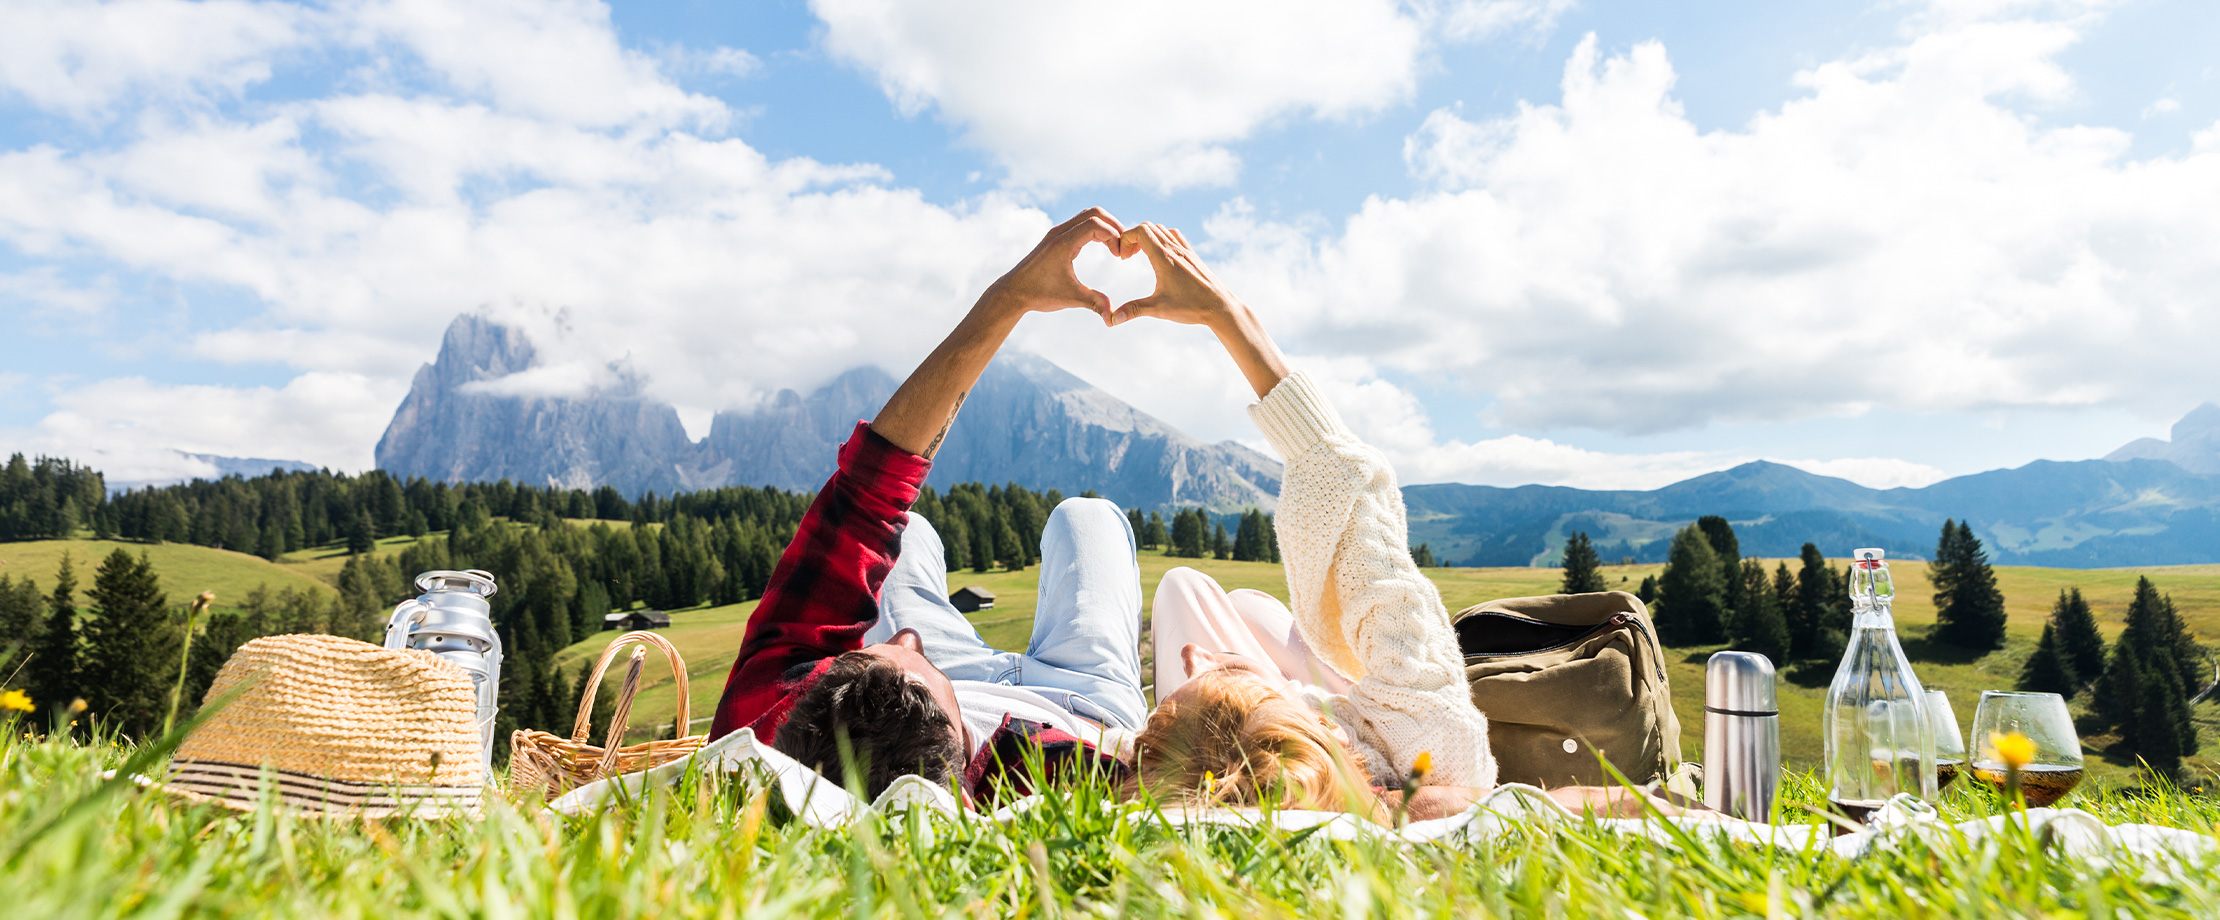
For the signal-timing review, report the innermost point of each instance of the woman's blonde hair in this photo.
(1234, 740)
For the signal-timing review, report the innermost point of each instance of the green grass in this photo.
(72, 849)
(185, 570)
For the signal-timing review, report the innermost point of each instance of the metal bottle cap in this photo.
(1740, 683)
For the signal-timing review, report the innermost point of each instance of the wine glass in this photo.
(2055, 768)
(1950, 745)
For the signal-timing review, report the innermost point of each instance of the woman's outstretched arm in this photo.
(1357, 597)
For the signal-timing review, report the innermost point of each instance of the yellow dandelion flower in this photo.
(1423, 765)
(2015, 750)
(16, 700)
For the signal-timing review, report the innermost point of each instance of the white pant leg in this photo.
(1087, 624)
(1191, 608)
(915, 596)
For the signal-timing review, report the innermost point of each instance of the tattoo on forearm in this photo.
(934, 448)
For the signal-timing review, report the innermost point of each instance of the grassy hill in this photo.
(707, 637)
(185, 570)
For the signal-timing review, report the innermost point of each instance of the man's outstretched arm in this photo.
(824, 592)
(917, 417)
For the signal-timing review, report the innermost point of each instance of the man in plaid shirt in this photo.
(807, 681)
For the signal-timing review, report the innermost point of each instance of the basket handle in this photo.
(585, 722)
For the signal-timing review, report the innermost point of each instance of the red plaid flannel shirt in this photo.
(825, 591)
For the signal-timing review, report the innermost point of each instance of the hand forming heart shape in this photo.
(1046, 280)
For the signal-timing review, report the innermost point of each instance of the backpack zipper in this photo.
(1617, 619)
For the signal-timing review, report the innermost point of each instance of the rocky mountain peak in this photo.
(2195, 446)
(1028, 421)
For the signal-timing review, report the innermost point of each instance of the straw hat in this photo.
(339, 727)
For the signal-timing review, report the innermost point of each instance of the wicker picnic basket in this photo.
(554, 765)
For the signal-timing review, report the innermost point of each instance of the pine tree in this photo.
(1942, 571)
(2188, 656)
(22, 612)
(1422, 556)
(2155, 731)
(982, 543)
(52, 673)
(955, 543)
(1248, 537)
(1221, 545)
(1136, 523)
(2118, 691)
(361, 534)
(1187, 534)
(2143, 692)
(1784, 593)
(1008, 548)
(1759, 626)
(1648, 590)
(1691, 603)
(2078, 639)
(1720, 535)
(1155, 535)
(130, 654)
(1817, 593)
(2046, 670)
(1969, 610)
(1583, 570)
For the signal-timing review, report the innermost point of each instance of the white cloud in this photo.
(80, 58)
(1472, 19)
(131, 428)
(1901, 236)
(1874, 472)
(504, 158)
(1904, 235)
(1149, 92)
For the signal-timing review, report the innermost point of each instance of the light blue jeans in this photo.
(1086, 650)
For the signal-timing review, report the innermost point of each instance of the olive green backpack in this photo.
(1565, 676)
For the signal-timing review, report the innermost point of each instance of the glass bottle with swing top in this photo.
(1878, 741)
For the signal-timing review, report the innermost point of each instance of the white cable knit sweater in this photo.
(1360, 601)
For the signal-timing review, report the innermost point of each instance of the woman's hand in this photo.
(1044, 281)
(1187, 293)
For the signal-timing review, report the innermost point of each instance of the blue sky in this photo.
(1595, 244)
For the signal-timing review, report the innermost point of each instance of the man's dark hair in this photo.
(893, 725)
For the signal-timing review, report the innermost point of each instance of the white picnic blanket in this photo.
(821, 803)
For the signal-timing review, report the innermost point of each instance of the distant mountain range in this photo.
(224, 466)
(1028, 421)
(2083, 514)
(2195, 446)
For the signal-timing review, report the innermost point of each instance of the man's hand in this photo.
(1044, 281)
(917, 417)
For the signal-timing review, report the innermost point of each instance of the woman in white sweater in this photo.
(1358, 690)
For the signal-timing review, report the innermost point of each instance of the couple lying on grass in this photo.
(855, 656)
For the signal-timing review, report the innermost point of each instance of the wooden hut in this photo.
(972, 599)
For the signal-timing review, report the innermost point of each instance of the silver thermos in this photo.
(452, 619)
(1742, 735)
